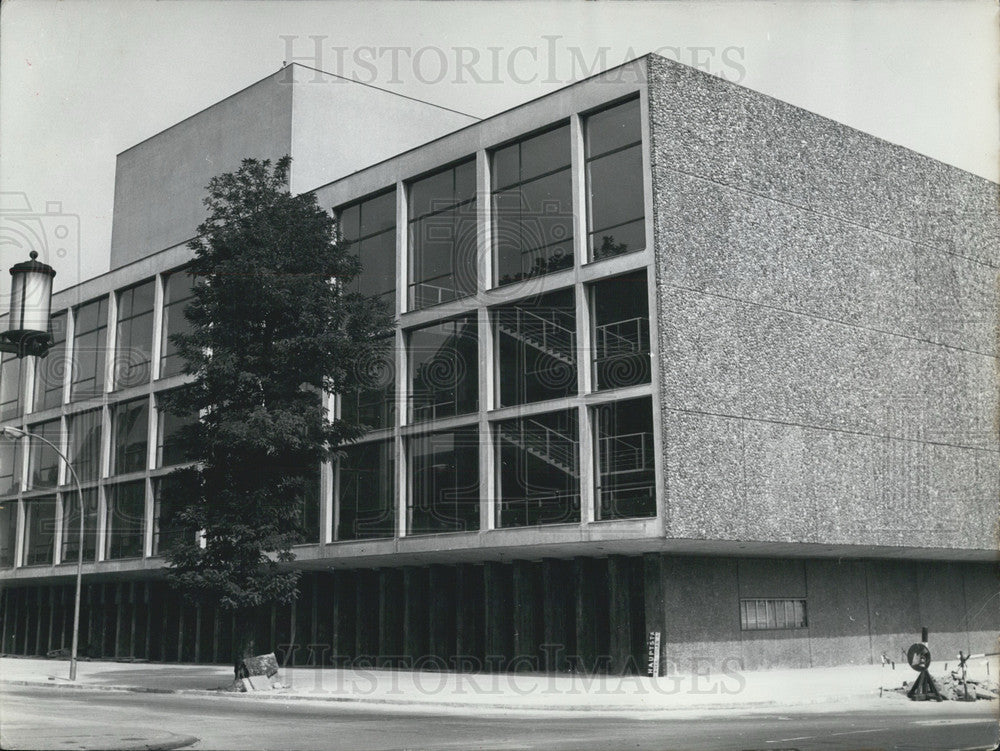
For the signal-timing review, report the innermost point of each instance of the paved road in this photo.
(73, 719)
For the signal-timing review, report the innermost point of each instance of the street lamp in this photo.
(30, 302)
(18, 433)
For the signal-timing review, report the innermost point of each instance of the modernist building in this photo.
(672, 356)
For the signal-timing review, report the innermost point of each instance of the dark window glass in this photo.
(85, 444)
(130, 436)
(374, 407)
(71, 526)
(8, 530)
(170, 449)
(167, 527)
(370, 228)
(621, 332)
(11, 380)
(533, 206)
(177, 295)
(43, 460)
(444, 361)
(367, 492)
(126, 519)
(39, 531)
(444, 482)
(442, 233)
(309, 503)
(134, 343)
(90, 341)
(616, 209)
(626, 475)
(10, 465)
(49, 370)
(539, 471)
(536, 344)
(756, 615)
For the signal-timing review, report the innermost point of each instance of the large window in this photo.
(85, 444)
(367, 497)
(533, 206)
(167, 527)
(757, 615)
(376, 406)
(625, 469)
(444, 368)
(71, 526)
(444, 482)
(43, 460)
(125, 519)
(621, 332)
(177, 295)
(170, 448)
(10, 465)
(538, 470)
(8, 530)
(90, 341)
(308, 509)
(370, 227)
(39, 531)
(615, 205)
(11, 380)
(536, 347)
(134, 342)
(130, 436)
(49, 370)
(442, 233)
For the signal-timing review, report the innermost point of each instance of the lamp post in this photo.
(18, 433)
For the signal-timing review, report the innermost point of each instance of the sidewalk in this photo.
(819, 689)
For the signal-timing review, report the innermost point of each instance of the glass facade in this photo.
(134, 335)
(621, 332)
(49, 370)
(130, 436)
(71, 525)
(444, 369)
(444, 482)
(170, 449)
(43, 461)
(8, 532)
(536, 348)
(626, 484)
(615, 204)
(366, 496)
(442, 236)
(125, 519)
(533, 206)
(84, 450)
(167, 527)
(538, 470)
(177, 294)
(90, 341)
(10, 465)
(39, 531)
(11, 386)
(370, 228)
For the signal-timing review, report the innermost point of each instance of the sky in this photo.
(82, 80)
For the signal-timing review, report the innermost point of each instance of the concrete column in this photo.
(469, 630)
(527, 615)
(5, 619)
(366, 614)
(620, 612)
(415, 639)
(442, 611)
(342, 615)
(587, 582)
(498, 587)
(558, 632)
(390, 610)
(52, 615)
(39, 619)
(654, 601)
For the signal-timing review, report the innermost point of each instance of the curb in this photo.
(403, 703)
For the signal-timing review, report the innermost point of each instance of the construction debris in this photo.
(952, 688)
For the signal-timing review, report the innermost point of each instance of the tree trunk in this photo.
(244, 638)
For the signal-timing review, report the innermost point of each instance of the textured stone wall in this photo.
(828, 309)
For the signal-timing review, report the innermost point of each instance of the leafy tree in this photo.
(273, 328)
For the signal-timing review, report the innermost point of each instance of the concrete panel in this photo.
(777, 648)
(704, 476)
(779, 505)
(837, 613)
(956, 301)
(981, 584)
(771, 577)
(893, 607)
(942, 608)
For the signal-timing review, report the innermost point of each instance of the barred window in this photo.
(756, 615)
